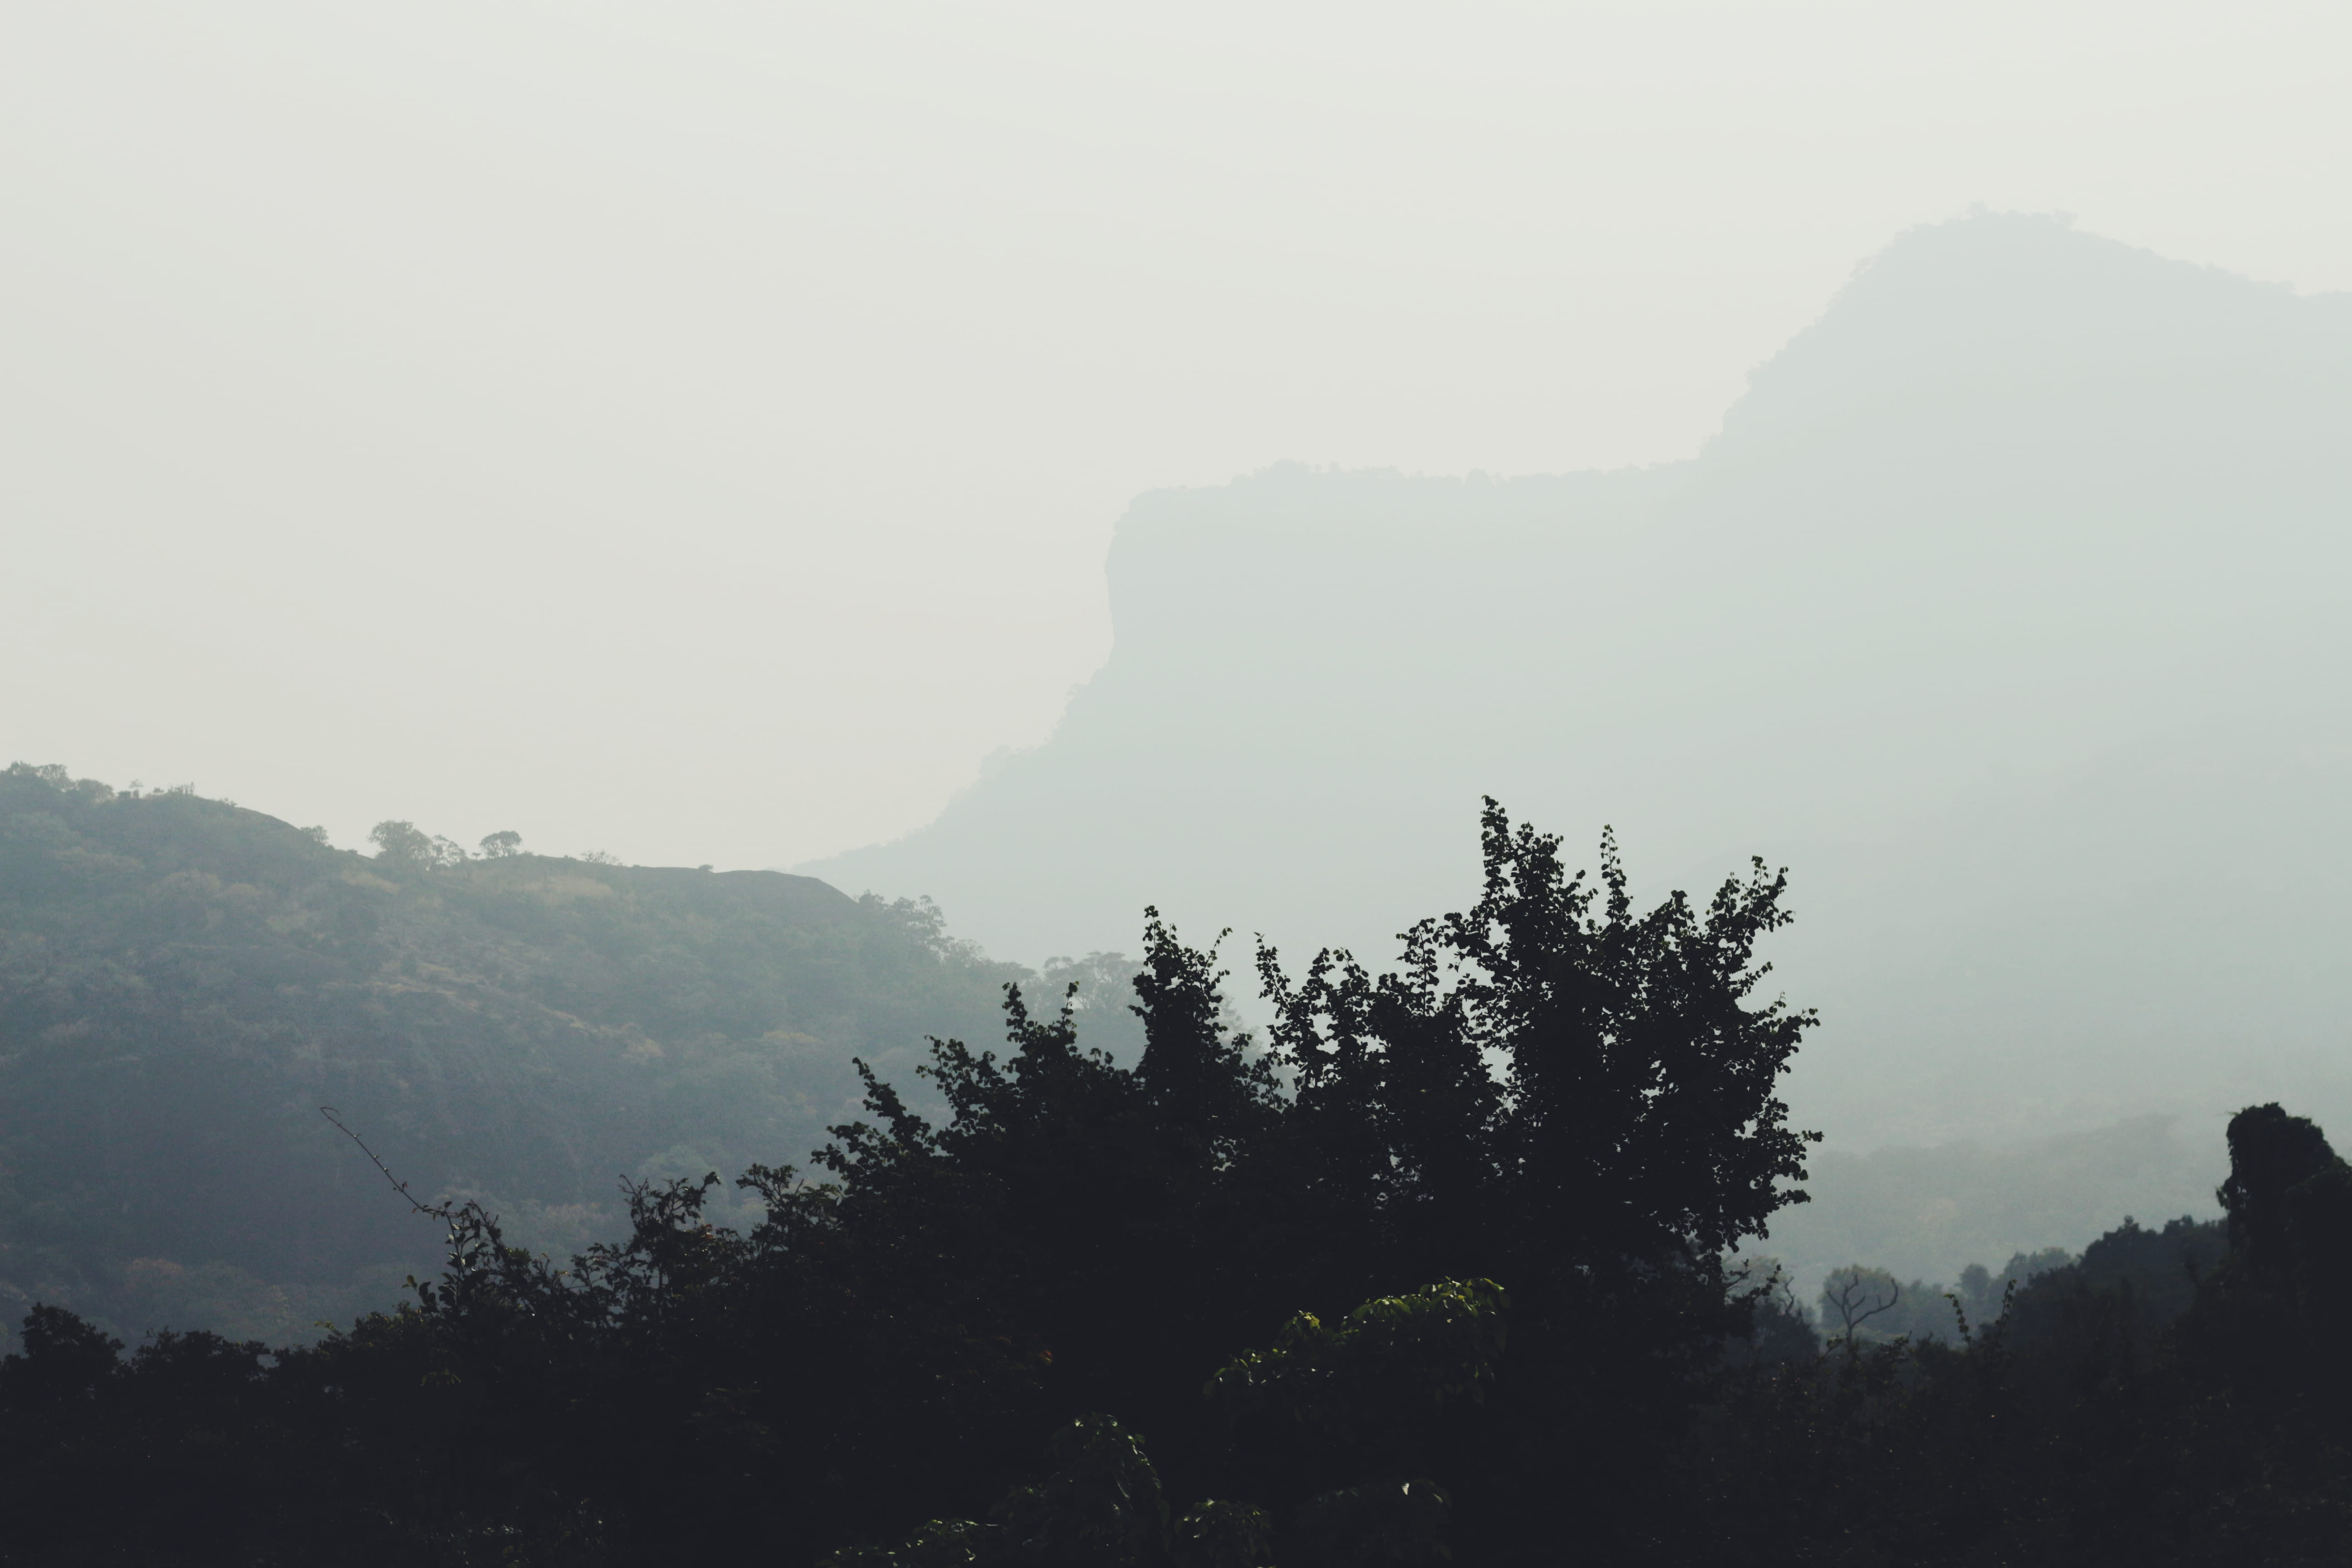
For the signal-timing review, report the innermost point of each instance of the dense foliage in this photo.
(898, 1338)
(1439, 1272)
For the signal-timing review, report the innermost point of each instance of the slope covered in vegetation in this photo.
(1073, 1237)
(184, 984)
(1442, 1273)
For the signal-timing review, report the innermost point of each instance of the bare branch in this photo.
(438, 1211)
(1848, 1297)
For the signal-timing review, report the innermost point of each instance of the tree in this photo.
(1635, 1134)
(1853, 1296)
(405, 845)
(2288, 1197)
(402, 843)
(1645, 1121)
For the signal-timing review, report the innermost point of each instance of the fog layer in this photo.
(2008, 611)
(515, 415)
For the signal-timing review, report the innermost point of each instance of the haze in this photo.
(695, 432)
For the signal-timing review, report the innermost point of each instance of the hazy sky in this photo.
(693, 431)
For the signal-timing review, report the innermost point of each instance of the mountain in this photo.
(185, 983)
(2008, 610)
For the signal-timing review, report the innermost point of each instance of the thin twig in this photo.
(438, 1211)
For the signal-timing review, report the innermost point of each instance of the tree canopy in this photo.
(1441, 1269)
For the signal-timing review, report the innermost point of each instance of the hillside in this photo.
(184, 983)
(2008, 610)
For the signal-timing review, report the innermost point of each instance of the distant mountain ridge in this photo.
(2008, 610)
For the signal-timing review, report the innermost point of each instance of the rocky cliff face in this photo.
(2008, 610)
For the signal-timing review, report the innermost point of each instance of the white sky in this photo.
(693, 431)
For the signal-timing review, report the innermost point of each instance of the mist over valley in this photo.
(2006, 612)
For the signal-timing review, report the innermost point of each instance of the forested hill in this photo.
(1165, 1315)
(184, 983)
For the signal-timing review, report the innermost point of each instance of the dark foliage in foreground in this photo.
(1358, 1298)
